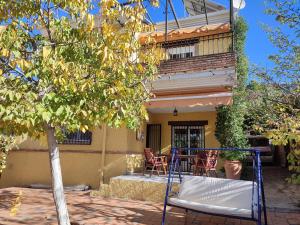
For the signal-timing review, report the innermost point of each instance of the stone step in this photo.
(138, 187)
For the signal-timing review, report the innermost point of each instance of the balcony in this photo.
(198, 54)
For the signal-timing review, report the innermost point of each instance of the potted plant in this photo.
(233, 163)
(230, 134)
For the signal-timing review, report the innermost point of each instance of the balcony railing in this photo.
(201, 46)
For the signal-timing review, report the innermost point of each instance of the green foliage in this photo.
(230, 119)
(6, 143)
(229, 131)
(274, 99)
(242, 66)
(61, 67)
(58, 68)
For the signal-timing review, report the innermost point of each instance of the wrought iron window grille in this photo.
(77, 138)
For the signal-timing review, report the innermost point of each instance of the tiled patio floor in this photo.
(37, 208)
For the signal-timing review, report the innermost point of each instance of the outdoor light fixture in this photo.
(175, 112)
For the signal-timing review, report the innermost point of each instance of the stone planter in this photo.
(233, 169)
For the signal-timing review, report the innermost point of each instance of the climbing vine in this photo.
(230, 119)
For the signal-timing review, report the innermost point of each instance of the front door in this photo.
(187, 136)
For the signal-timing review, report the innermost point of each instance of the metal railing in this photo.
(200, 46)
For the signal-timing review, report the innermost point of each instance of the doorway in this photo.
(187, 135)
(153, 139)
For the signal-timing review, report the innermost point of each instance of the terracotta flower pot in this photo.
(233, 169)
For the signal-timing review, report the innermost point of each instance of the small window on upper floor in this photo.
(78, 138)
(181, 52)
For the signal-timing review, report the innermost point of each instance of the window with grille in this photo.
(181, 52)
(78, 138)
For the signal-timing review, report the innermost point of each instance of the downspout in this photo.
(103, 155)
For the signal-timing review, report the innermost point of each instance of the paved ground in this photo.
(37, 208)
(279, 193)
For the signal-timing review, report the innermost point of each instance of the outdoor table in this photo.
(186, 162)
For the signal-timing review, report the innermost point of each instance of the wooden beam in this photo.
(188, 123)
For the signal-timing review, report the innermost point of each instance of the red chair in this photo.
(155, 163)
(205, 162)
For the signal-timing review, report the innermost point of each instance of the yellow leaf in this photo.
(90, 22)
(82, 129)
(2, 28)
(23, 64)
(105, 54)
(5, 52)
(16, 203)
(46, 51)
(155, 3)
(84, 113)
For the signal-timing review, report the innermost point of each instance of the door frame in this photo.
(188, 124)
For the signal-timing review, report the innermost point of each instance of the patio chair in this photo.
(155, 163)
(205, 163)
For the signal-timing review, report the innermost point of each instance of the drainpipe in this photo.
(103, 155)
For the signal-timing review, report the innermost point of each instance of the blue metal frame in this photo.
(257, 169)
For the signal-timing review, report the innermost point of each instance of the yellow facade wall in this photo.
(32, 167)
(42, 143)
(81, 164)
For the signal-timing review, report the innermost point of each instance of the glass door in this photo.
(196, 137)
(187, 137)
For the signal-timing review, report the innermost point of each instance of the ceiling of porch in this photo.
(186, 109)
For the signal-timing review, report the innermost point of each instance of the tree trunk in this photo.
(57, 184)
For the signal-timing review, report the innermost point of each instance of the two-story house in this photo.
(197, 75)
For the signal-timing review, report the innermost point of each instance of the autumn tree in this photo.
(274, 96)
(63, 67)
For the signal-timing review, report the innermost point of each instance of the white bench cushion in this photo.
(216, 195)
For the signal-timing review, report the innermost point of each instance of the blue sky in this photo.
(258, 46)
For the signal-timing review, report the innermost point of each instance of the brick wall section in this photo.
(198, 63)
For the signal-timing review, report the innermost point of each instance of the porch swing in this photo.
(216, 196)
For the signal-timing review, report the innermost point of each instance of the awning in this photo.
(186, 33)
(213, 99)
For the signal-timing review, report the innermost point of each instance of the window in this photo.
(78, 138)
(181, 52)
(180, 49)
(188, 134)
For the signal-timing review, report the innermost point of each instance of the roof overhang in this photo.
(189, 103)
(185, 33)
